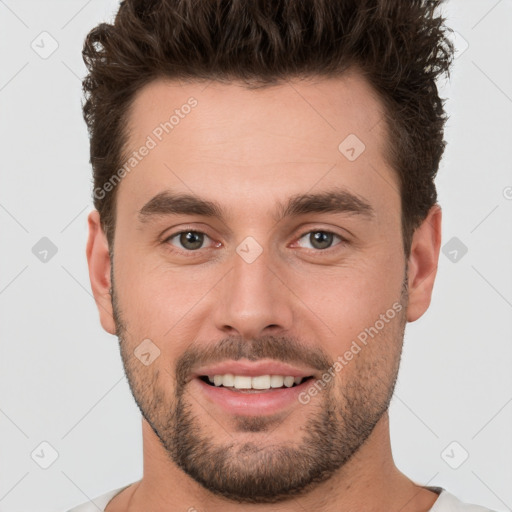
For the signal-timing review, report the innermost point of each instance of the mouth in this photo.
(254, 384)
(244, 395)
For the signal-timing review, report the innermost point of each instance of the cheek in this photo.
(355, 301)
(356, 291)
(368, 354)
(166, 305)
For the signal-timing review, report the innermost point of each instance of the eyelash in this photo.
(343, 241)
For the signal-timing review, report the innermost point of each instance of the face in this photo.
(249, 243)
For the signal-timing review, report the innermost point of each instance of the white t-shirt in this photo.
(445, 503)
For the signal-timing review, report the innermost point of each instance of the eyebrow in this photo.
(337, 200)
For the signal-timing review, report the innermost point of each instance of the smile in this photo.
(258, 382)
(251, 395)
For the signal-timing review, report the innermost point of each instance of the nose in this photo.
(253, 299)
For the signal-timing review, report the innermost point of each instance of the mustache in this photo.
(285, 349)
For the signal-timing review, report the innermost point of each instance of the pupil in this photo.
(193, 238)
(321, 239)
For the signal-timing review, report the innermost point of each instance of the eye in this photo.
(188, 239)
(321, 239)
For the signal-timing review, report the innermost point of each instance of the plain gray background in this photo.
(61, 377)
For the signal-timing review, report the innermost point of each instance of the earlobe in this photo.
(98, 261)
(423, 261)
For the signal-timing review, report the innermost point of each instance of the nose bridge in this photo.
(252, 298)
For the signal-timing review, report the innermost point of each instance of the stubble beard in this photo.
(342, 418)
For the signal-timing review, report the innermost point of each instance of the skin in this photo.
(250, 150)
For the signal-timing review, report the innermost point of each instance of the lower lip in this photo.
(252, 404)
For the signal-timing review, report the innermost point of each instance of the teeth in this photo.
(276, 381)
(258, 382)
(241, 382)
(288, 382)
(228, 380)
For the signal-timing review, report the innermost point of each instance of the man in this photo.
(265, 226)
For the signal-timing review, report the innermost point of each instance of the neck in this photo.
(370, 479)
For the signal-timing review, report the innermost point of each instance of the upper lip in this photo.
(253, 369)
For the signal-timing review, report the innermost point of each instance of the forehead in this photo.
(315, 109)
(227, 140)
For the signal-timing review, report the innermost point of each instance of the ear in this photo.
(98, 261)
(423, 260)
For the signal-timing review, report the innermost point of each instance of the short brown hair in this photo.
(400, 47)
